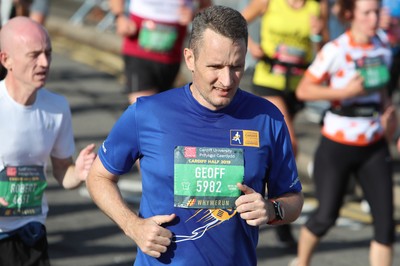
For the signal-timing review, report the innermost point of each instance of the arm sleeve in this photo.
(326, 63)
(120, 150)
(64, 145)
(283, 176)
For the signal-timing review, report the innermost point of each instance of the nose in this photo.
(44, 60)
(226, 76)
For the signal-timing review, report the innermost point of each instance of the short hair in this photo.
(221, 19)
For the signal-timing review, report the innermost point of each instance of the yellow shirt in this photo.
(285, 35)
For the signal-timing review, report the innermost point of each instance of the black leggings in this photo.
(334, 163)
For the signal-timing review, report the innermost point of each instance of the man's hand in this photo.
(252, 206)
(149, 234)
(125, 27)
(84, 161)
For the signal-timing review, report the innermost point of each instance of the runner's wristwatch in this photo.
(279, 212)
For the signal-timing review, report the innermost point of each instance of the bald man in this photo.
(35, 126)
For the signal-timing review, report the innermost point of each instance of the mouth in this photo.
(41, 75)
(223, 92)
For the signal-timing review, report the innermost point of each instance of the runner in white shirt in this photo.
(35, 127)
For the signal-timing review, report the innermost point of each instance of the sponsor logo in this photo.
(249, 138)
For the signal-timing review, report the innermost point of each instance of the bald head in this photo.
(18, 31)
(26, 54)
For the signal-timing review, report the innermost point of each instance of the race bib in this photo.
(157, 37)
(22, 187)
(291, 55)
(207, 177)
(374, 71)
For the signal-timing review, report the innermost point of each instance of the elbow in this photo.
(297, 208)
(301, 93)
(305, 90)
(300, 206)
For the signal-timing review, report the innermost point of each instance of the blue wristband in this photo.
(316, 38)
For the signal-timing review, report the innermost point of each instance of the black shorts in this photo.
(142, 74)
(13, 251)
(291, 101)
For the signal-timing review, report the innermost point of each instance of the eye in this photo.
(237, 68)
(33, 55)
(216, 66)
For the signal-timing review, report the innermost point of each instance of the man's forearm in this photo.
(117, 6)
(104, 190)
(292, 204)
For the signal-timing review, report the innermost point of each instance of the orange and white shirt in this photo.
(337, 63)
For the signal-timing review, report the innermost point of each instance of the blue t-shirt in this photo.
(154, 126)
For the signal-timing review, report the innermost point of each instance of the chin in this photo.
(40, 84)
(224, 103)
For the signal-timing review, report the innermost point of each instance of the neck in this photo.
(20, 95)
(296, 4)
(360, 38)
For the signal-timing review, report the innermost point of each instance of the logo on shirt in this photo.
(208, 219)
(103, 147)
(250, 138)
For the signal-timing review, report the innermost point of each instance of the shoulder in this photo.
(382, 39)
(259, 106)
(52, 101)
(167, 97)
(333, 49)
(161, 104)
(313, 6)
(329, 58)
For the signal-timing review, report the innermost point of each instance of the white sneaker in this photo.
(365, 206)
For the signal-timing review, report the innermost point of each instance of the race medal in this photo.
(22, 187)
(157, 37)
(206, 177)
(374, 71)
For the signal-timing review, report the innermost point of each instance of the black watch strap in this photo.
(279, 214)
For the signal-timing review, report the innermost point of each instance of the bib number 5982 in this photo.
(208, 186)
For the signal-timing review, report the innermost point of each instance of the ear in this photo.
(5, 60)
(189, 58)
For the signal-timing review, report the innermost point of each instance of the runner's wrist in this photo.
(118, 15)
(278, 212)
(271, 212)
(316, 38)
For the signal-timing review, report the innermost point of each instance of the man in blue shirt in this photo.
(216, 161)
